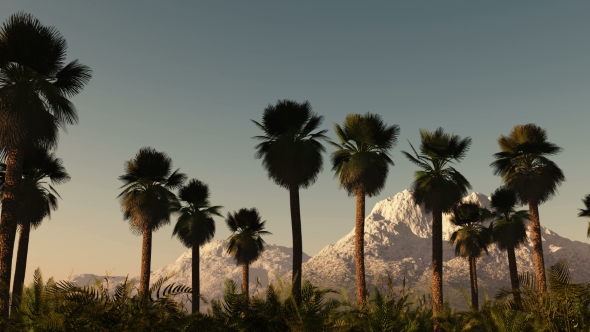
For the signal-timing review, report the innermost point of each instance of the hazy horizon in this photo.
(187, 78)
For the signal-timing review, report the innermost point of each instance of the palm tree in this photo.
(246, 243)
(361, 163)
(471, 239)
(438, 186)
(146, 200)
(525, 168)
(509, 230)
(195, 226)
(39, 198)
(35, 84)
(586, 212)
(291, 153)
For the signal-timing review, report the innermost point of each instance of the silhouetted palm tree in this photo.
(438, 186)
(291, 153)
(586, 212)
(195, 226)
(361, 164)
(245, 243)
(509, 230)
(39, 198)
(146, 200)
(471, 239)
(525, 168)
(35, 84)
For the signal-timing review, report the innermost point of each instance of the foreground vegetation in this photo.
(63, 306)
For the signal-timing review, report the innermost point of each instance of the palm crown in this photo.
(38, 195)
(524, 166)
(147, 183)
(291, 150)
(246, 243)
(509, 226)
(361, 161)
(586, 212)
(472, 238)
(437, 182)
(34, 90)
(195, 215)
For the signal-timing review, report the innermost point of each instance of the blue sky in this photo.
(187, 77)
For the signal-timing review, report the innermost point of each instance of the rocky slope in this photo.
(397, 245)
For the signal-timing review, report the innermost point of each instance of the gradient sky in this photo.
(187, 77)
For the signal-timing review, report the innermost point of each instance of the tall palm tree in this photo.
(438, 186)
(586, 212)
(195, 226)
(361, 163)
(146, 200)
(525, 168)
(35, 84)
(245, 243)
(291, 153)
(509, 230)
(471, 239)
(39, 198)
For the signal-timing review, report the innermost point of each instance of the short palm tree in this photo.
(195, 226)
(361, 163)
(509, 230)
(471, 239)
(39, 198)
(291, 153)
(525, 168)
(586, 212)
(245, 243)
(35, 87)
(438, 186)
(146, 200)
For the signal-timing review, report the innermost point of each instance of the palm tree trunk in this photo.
(474, 291)
(245, 281)
(8, 223)
(359, 248)
(537, 240)
(146, 261)
(21, 265)
(196, 277)
(513, 274)
(437, 263)
(297, 242)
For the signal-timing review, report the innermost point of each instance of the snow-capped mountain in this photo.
(397, 244)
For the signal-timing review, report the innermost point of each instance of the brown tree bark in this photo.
(537, 240)
(146, 261)
(246, 281)
(473, 277)
(513, 274)
(8, 224)
(21, 265)
(196, 275)
(359, 248)
(437, 264)
(297, 242)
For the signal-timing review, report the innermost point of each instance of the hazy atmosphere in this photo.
(186, 78)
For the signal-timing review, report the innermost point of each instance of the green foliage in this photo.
(245, 243)
(291, 149)
(586, 211)
(195, 212)
(438, 183)
(361, 161)
(147, 184)
(472, 238)
(523, 164)
(62, 306)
